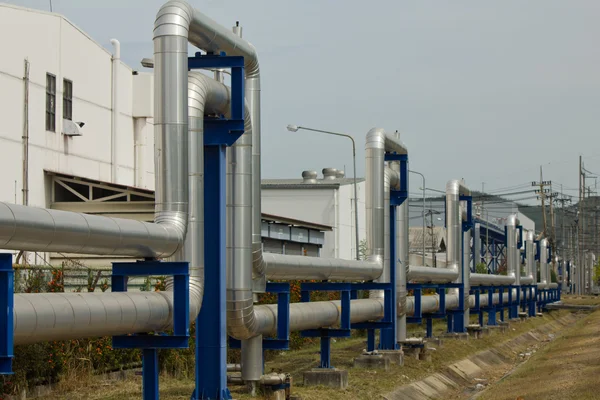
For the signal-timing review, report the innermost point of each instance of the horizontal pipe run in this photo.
(286, 267)
(321, 314)
(431, 275)
(526, 280)
(491, 280)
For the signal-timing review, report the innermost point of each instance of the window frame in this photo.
(67, 99)
(50, 102)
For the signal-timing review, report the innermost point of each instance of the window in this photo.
(50, 102)
(67, 99)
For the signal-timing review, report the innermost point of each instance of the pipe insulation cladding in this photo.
(42, 317)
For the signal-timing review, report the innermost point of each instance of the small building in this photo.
(326, 200)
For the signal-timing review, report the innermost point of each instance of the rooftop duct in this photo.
(329, 174)
(309, 176)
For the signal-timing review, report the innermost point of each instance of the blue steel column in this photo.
(6, 308)
(150, 374)
(388, 335)
(211, 347)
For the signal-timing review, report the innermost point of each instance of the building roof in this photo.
(54, 14)
(296, 222)
(415, 239)
(298, 183)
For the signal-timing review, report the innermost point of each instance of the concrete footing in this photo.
(395, 356)
(501, 328)
(372, 361)
(425, 355)
(330, 377)
(475, 331)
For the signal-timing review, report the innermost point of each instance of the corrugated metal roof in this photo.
(297, 183)
(415, 239)
(296, 222)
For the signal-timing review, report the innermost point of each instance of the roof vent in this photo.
(329, 174)
(309, 176)
(340, 174)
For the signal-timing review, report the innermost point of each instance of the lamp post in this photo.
(423, 188)
(296, 128)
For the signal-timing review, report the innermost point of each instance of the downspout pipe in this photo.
(116, 60)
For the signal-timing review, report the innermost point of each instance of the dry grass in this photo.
(581, 300)
(363, 384)
(567, 368)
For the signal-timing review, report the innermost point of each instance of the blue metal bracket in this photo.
(468, 224)
(282, 337)
(537, 250)
(326, 333)
(520, 241)
(149, 343)
(7, 276)
(211, 344)
(397, 197)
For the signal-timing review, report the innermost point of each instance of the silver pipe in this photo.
(491, 280)
(544, 281)
(60, 316)
(466, 270)
(327, 313)
(402, 269)
(420, 274)
(286, 267)
(530, 257)
(512, 253)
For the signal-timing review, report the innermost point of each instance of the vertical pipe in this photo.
(401, 268)
(139, 151)
(466, 272)
(115, 109)
(26, 134)
(355, 201)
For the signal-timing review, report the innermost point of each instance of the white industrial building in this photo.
(326, 200)
(89, 133)
(88, 145)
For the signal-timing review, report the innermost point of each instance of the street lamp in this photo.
(296, 128)
(423, 188)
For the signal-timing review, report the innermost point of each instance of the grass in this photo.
(581, 300)
(363, 383)
(566, 368)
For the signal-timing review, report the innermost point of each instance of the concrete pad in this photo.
(435, 342)
(412, 352)
(425, 356)
(330, 377)
(372, 362)
(395, 356)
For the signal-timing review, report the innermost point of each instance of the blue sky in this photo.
(482, 90)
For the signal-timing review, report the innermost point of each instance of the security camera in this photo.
(81, 124)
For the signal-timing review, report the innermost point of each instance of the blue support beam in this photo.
(7, 277)
(150, 343)
(211, 335)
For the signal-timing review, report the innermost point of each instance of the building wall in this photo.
(54, 45)
(333, 207)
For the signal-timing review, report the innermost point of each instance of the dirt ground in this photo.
(567, 368)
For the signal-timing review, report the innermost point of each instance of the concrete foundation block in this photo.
(539, 314)
(425, 356)
(372, 362)
(395, 356)
(412, 352)
(330, 377)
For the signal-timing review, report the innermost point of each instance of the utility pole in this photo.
(580, 231)
(542, 195)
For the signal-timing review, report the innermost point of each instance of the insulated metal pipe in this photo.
(544, 281)
(60, 316)
(512, 253)
(420, 274)
(402, 269)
